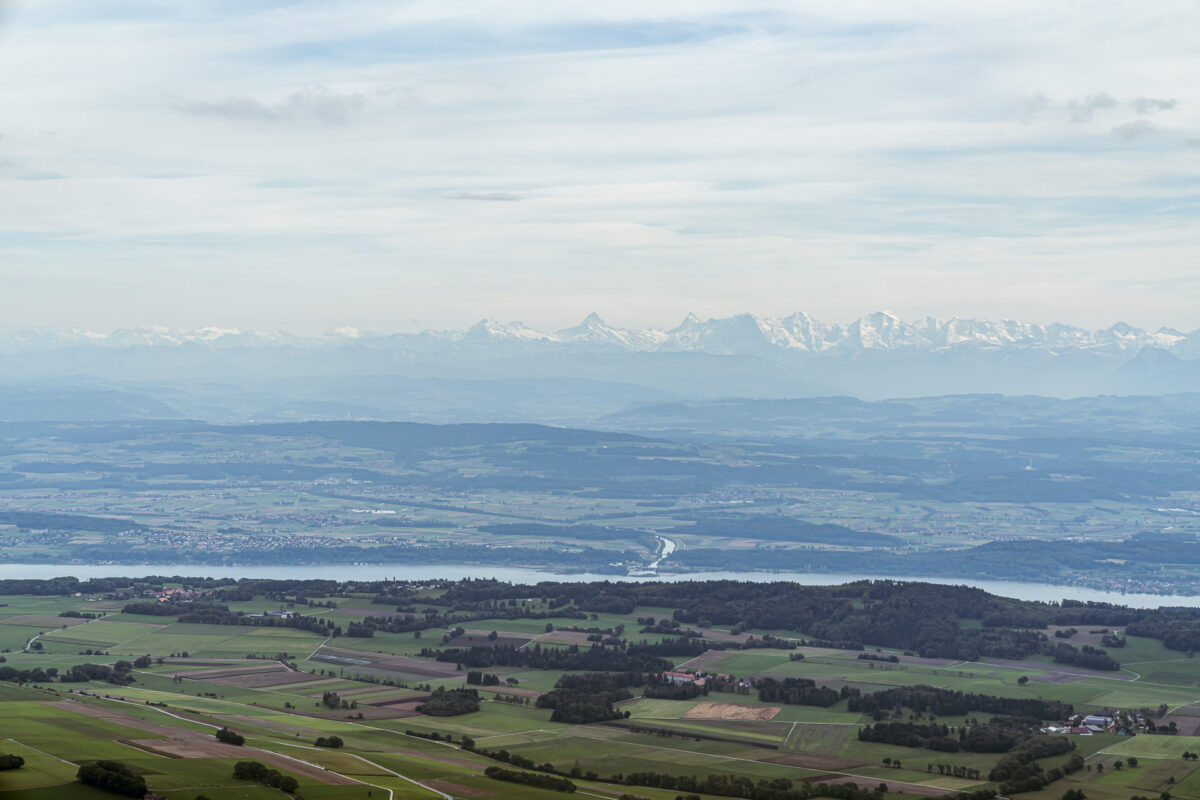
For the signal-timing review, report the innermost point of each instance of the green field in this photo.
(235, 675)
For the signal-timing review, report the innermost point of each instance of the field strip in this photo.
(438, 792)
(140, 635)
(249, 708)
(47, 633)
(300, 760)
(314, 652)
(194, 788)
(517, 733)
(685, 719)
(366, 761)
(43, 752)
(355, 724)
(536, 636)
(1089, 675)
(582, 735)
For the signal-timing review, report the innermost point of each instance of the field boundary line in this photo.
(29, 643)
(517, 733)
(582, 735)
(322, 644)
(261, 708)
(438, 792)
(43, 752)
(1089, 675)
(354, 778)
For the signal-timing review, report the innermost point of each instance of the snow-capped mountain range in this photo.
(510, 371)
(743, 334)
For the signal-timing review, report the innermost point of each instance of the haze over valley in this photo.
(510, 372)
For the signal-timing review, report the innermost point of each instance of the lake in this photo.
(373, 572)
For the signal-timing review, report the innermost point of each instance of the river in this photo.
(373, 572)
(665, 548)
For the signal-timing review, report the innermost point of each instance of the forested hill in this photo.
(930, 620)
(785, 529)
(417, 436)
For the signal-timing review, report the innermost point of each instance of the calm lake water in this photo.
(368, 572)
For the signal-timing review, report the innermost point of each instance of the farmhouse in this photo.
(679, 677)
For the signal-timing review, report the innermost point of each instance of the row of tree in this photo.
(950, 703)
(261, 773)
(112, 776)
(450, 702)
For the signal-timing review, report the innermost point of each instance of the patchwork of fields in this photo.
(273, 685)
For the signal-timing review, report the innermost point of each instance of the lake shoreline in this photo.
(1021, 590)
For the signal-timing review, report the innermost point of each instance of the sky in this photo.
(413, 164)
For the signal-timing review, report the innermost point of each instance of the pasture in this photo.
(273, 685)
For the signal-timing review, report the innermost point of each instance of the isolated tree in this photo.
(226, 736)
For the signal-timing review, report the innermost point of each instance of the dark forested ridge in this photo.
(1005, 560)
(784, 529)
(931, 620)
(67, 522)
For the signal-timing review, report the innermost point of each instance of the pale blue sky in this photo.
(401, 165)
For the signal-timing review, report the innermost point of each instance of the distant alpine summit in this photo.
(752, 335)
(510, 371)
(743, 334)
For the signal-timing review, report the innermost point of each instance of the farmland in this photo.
(888, 498)
(282, 682)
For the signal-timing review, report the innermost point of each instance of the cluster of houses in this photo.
(276, 614)
(700, 679)
(1122, 723)
(166, 594)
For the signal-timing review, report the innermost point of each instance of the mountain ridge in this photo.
(742, 334)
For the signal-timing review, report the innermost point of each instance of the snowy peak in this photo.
(595, 331)
(797, 334)
(144, 336)
(488, 331)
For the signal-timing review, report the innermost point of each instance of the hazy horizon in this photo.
(662, 325)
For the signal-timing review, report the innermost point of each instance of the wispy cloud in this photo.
(313, 104)
(1084, 109)
(495, 197)
(1152, 105)
(1137, 129)
(271, 163)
